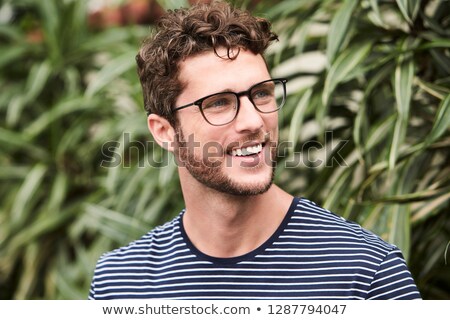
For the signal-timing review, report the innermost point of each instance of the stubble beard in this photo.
(210, 172)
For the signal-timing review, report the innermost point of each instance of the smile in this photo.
(247, 151)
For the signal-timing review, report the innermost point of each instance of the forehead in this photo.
(207, 73)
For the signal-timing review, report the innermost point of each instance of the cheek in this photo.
(192, 125)
(203, 138)
(271, 121)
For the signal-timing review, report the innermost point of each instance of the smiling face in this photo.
(236, 158)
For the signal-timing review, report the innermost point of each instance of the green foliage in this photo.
(80, 174)
(64, 96)
(380, 82)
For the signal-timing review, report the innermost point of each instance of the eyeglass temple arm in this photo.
(175, 109)
(185, 106)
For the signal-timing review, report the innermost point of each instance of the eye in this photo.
(218, 102)
(262, 94)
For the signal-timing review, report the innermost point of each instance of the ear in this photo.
(162, 131)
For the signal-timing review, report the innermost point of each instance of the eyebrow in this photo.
(231, 90)
(224, 90)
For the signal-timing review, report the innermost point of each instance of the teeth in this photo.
(247, 151)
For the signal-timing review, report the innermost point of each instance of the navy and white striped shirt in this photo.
(314, 254)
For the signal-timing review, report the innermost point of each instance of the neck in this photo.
(223, 226)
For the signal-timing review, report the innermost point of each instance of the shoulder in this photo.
(138, 257)
(324, 231)
(322, 223)
(155, 241)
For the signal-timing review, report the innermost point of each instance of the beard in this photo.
(209, 170)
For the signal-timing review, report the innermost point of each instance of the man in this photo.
(212, 102)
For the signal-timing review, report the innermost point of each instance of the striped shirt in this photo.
(314, 254)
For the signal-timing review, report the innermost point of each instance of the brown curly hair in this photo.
(183, 33)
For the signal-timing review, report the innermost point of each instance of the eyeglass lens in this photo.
(221, 108)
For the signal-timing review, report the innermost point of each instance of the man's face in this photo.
(236, 158)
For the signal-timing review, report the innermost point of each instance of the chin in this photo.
(240, 185)
(250, 190)
(238, 178)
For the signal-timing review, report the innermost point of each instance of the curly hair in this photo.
(183, 33)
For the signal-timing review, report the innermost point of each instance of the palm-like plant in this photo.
(376, 74)
(52, 129)
(80, 175)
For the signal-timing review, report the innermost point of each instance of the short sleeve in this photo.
(91, 295)
(393, 279)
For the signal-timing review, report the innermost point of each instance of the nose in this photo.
(248, 119)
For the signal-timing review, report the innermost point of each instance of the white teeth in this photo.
(247, 151)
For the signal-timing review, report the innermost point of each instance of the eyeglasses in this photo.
(221, 108)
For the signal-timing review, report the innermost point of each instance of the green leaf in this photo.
(36, 81)
(373, 216)
(62, 109)
(399, 233)
(345, 63)
(409, 9)
(11, 54)
(339, 29)
(397, 141)
(413, 197)
(20, 209)
(338, 190)
(175, 4)
(442, 60)
(286, 7)
(302, 36)
(376, 12)
(11, 33)
(58, 192)
(115, 225)
(433, 89)
(44, 225)
(377, 80)
(130, 189)
(15, 107)
(430, 208)
(13, 172)
(298, 116)
(404, 74)
(51, 26)
(30, 270)
(446, 250)
(403, 80)
(359, 126)
(17, 140)
(441, 123)
(110, 72)
(434, 24)
(110, 39)
(166, 173)
(436, 43)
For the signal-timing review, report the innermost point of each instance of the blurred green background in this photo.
(365, 131)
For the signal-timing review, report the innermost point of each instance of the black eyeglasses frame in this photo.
(238, 95)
